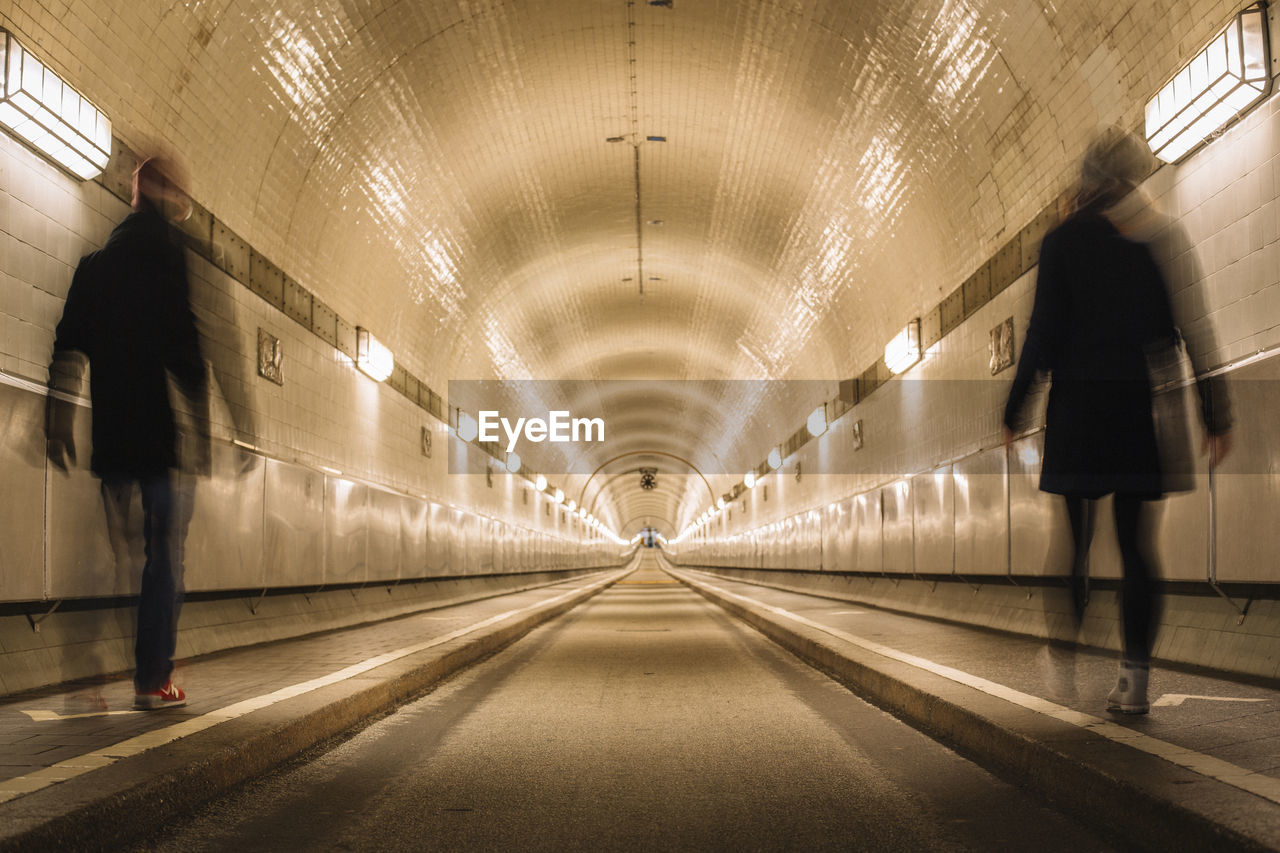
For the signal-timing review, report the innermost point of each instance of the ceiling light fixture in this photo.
(49, 115)
(1221, 82)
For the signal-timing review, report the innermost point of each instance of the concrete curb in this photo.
(1149, 803)
(105, 809)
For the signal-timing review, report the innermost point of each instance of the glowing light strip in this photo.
(49, 115)
(1223, 80)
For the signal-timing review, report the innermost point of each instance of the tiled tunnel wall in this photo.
(953, 504)
(339, 490)
(932, 490)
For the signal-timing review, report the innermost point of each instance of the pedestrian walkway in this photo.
(1208, 754)
(78, 765)
(647, 719)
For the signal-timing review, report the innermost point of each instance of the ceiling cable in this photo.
(635, 139)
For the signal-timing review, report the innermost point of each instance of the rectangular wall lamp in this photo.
(904, 350)
(372, 357)
(1221, 82)
(49, 115)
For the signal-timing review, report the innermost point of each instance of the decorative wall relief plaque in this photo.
(426, 442)
(856, 434)
(1001, 346)
(270, 355)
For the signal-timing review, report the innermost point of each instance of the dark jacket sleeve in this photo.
(77, 312)
(74, 337)
(72, 343)
(1044, 332)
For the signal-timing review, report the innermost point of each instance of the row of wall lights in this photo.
(816, 424)
(59, 122)
(900, 354)
(468, 431)
(1221, 83)
(55, 119)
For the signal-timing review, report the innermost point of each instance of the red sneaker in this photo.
(168, 696)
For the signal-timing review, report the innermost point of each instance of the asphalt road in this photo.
(645, 719)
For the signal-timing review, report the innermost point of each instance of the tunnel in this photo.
(602, 437)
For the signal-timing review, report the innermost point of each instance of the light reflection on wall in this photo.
(430, 270)
(960, 51)
(300, 71)
(506, 360)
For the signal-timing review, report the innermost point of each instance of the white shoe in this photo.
(1130, 693)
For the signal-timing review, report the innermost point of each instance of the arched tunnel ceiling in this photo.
(439, 171)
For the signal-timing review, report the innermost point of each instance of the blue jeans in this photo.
(166, 512)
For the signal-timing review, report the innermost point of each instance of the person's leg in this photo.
(1139, 604)
(1058, 663)
(124, 533)
(161, 591)
(1080, 513)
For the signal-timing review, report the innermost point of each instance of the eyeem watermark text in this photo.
(558, 427)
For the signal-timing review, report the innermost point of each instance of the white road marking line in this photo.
(1263, 786)
(1172, 700)
(72, 767)
(47, 716)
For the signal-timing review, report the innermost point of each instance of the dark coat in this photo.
(128, 310)
(1100, 300)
